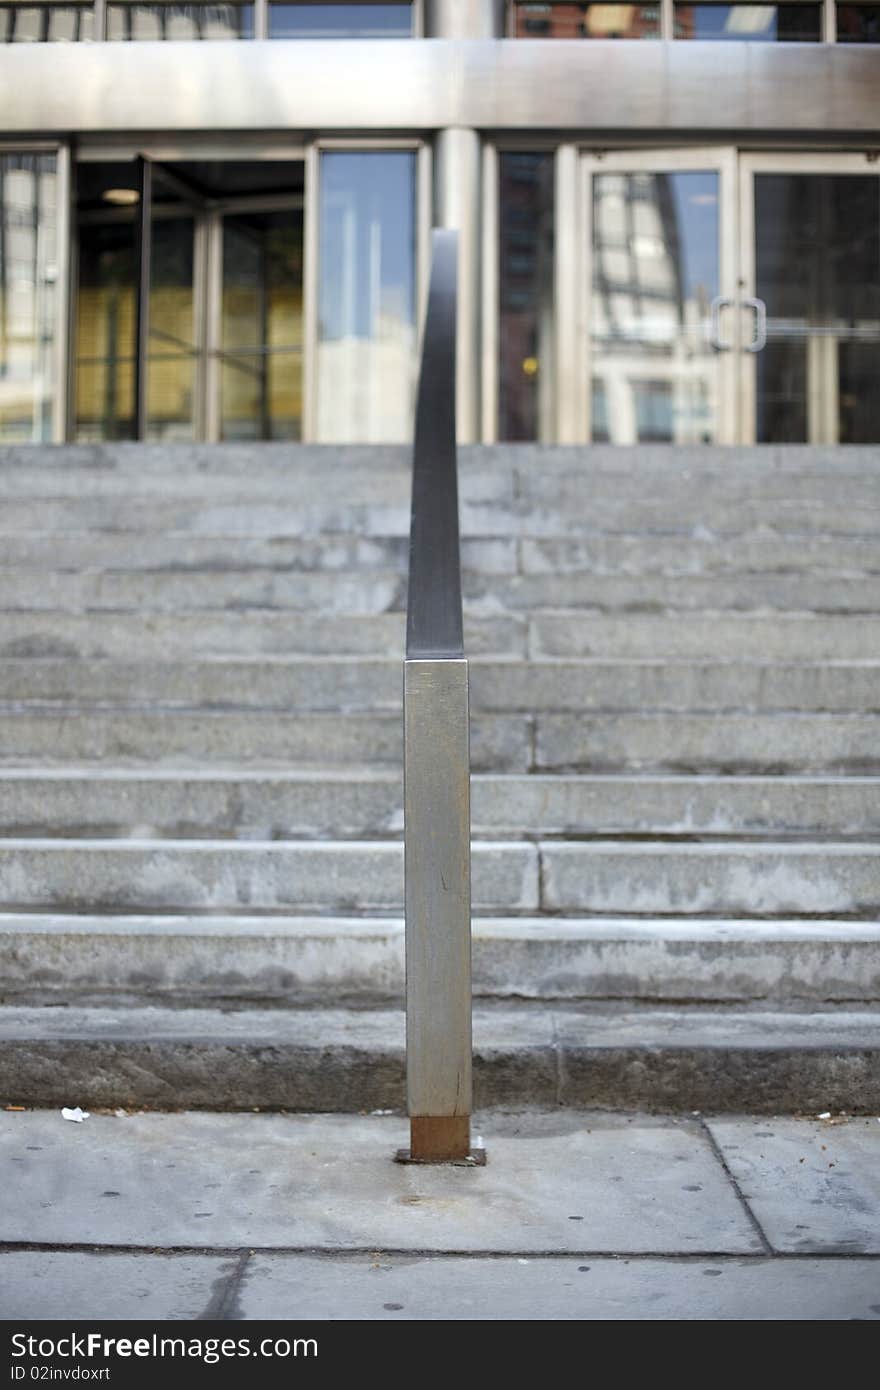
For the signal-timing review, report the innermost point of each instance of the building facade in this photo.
(214, 219)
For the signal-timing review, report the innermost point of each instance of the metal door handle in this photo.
(721, 301)
(760, 339)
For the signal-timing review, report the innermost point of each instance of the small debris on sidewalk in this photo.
(826, 1115)
(75, 1114)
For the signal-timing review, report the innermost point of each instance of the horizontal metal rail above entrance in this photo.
(437, 757)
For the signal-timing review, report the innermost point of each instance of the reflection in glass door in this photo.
(260, 349)
(660, 293)
(811, 250)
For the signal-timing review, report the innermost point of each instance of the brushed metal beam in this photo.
(438, 898)
(681, 88)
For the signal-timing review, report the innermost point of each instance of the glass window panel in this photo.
(366, 296)
(261, 371)
(751, 23)
(172, 352)
(105, 329)
(340, 21)
(152, 23)
(817, 264)
(525, 338)
(46, 23)
(655, 272)
(28, 276)
(569, 21)
(858, 23)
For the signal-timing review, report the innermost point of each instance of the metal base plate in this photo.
(475, 1159)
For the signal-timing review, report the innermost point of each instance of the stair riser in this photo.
(353, 684)
(217, 555)
(602, 556)
(500, 743)
(293, 877)
(378, 591)
(546, 960)
(270, 808)
(207, 1074)
(593, 877)
(702, 743)
(672, 513)
(163, 637)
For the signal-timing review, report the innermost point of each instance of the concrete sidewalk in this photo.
(577, 1215)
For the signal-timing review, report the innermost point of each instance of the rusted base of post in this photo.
(441, 1139)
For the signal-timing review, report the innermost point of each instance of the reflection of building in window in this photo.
(858, 23)
(46, 23)
(366, 297)
(568, 21)
(753, 23)
(655, 270)
(329, 21)
(28, 273)
(185, 22)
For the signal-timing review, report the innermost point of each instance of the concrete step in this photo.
(80, 957)
(384, 472)
(349, 684)
(700, 553)
(90, 802)
(598, 743)
(806, 592)
(730, 879)
(165, 636)
(722, 636)
(833, 510)
(300, 876)
(329, 591)
(190, 738)
(697, 743)
(727, 636)
(214, 555)
(314, 1060)
(766, 461)
(381, 591)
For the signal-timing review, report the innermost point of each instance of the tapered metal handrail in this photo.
(433, 619)
(436, 756)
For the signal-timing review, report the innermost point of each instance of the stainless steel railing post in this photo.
(437, 758)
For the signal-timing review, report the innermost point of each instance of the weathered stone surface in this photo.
(739, 880)
(752, 743)
(314, 959)
(132, 874)
(329, 1182)
(813, 1185)
(755, 636)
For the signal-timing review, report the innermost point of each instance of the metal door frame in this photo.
(573, 311)
(750, 164)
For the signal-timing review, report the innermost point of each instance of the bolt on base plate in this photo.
(475, 1158)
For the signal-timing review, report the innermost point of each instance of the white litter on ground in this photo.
(826, 1115)
(75, 1114)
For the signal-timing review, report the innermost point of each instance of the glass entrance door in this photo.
(660, 287)
(259, 353)
(810, 247)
